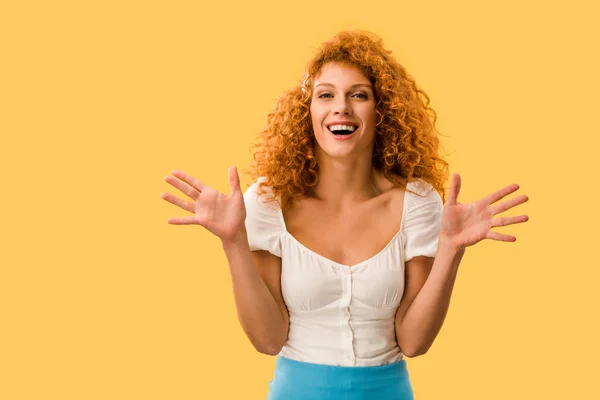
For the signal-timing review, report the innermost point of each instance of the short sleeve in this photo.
(263, 222)
(423, 221)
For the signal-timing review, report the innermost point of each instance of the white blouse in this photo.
(340, 314)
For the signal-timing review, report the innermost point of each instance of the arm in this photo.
(256, 276)
(430, 281)
(256, 279)
(426, 299)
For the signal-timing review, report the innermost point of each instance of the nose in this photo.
(342, 106)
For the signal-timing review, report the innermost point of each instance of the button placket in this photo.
(347, 336)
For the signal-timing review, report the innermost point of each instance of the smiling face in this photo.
(343, 98)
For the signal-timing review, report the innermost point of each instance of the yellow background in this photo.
(100, 298)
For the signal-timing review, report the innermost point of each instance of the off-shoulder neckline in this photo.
(360, 264)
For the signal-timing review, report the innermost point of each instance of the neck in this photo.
(345, 182)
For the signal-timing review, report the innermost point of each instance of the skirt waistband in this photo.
(325, 372)
(302, 380)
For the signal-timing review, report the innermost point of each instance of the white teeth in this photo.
(341, 127)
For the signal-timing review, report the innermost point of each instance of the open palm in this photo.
(468, 224)
(221, 214)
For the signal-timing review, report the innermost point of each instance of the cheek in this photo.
(369, 111)
(316, 118)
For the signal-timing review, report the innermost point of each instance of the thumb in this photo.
(234, 179)
(454, 189)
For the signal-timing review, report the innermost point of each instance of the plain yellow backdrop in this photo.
(100, 298)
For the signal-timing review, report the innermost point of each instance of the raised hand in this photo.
(223, 215)
(467, 224)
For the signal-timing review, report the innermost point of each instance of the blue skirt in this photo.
(296, 380)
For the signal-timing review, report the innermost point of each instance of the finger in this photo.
(195, 183)
(186, 205)
(183, 221)
(184, 187)
(509, 220)
(501, 237)
(497, 195)
(455, 184)
(498, 208)
(234, 179)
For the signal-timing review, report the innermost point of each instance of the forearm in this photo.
(257, 310)
(425, 316)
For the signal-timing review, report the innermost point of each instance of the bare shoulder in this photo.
(394, 191)
(387, 184)
(416, 185)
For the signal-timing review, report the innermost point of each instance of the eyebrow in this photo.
(351, 87)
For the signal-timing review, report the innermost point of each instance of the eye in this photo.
(324, 94)
(362, 94)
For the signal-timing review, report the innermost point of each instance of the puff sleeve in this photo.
(263, 223)
(422, 222)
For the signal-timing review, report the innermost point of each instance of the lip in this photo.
(342, 123)
(342, 137)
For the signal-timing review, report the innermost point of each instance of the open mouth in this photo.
(342, 130)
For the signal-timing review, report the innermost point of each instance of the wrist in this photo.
(239, 238)
(450, 246)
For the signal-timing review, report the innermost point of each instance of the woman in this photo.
(342, 253)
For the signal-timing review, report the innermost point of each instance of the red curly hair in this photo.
(406, 142)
